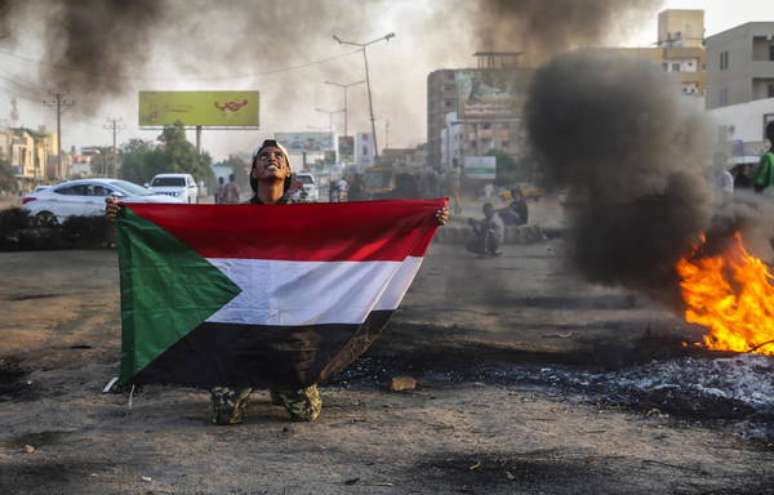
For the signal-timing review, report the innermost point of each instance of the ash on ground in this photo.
(731, 392)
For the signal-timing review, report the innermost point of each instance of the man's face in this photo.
(271, 165)
(488, 211)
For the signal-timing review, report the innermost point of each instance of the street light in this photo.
(330, 113)
(368, 79)
(346, 106)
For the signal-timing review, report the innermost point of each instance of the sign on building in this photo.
(347, 149)
(480, 167)
(364, 149)
(199, 108)
(300, 142)
(488, 94)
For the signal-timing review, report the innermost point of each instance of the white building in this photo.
(741, 129)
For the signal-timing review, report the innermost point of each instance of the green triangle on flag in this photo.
(167, 290)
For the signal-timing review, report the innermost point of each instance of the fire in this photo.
(733, 297)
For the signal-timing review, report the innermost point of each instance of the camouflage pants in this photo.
(228, 405)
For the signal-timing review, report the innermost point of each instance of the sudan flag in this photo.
(261, 295)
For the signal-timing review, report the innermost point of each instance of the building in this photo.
(740, 65)
(681, 28)
(480, 108)
(741, 131)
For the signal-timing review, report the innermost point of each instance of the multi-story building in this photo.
(740, 65)
(483, 105)
(29, 154)
(681, 28)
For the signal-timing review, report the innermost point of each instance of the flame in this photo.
(732, 296)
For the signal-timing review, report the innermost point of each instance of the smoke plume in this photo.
(546, 28)
(632, 156)
(95, 47)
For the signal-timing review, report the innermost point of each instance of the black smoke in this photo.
(544, 28)
(632, 158)
(95, 48)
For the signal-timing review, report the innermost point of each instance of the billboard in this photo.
(480, 167)
(199, 108)
(299, 142)
(488, 94)
(364, 149)
(347, 149)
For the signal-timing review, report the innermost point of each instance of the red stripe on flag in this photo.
(356, 231)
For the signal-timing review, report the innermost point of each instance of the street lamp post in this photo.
(346, 105)
(368, 79)
(330, 113)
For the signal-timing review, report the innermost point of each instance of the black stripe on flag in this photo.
(229, 354)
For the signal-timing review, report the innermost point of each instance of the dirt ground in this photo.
(474, 332)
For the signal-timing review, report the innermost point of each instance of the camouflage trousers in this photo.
(228, 404)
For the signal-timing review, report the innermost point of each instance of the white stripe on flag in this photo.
(289, 293)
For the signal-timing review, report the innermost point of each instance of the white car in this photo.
(182, 186)
(85, 197)
(309, 187)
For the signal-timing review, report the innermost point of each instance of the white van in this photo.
(181, 186)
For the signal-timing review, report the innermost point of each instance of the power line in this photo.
(114, 125)
(212, 78)
(60, 102)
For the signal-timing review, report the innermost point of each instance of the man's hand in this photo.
(112, 208)
(442, 216)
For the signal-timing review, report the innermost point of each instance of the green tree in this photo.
(141, 160)
(509, 170)
(7, 177)
(137, 157)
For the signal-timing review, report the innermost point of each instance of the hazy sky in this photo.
(426, 39)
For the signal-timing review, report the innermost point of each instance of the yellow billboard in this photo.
(199, 108)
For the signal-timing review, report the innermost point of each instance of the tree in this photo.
(7, 177)
(173, 153)
(510, 171)
(102, 162)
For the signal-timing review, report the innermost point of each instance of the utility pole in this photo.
(59, 103)
(368, 80)
(114, 125)
(346, 105)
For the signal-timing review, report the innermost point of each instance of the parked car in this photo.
(41, 188)
(305, 188)
(182, 186)
(85, 197)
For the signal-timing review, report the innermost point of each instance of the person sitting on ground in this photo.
(487, 233)
(270, 180)
(517, 212)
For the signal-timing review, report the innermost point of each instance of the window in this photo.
(77, 190)
(771, 52)
(723, 60)
(675, 67)
(723, 100)
(168, 182)
(99, 191)
(665, 66)
(771, 90)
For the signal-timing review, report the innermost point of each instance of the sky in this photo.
(289, 79)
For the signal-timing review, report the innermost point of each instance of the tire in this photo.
(46, 219)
